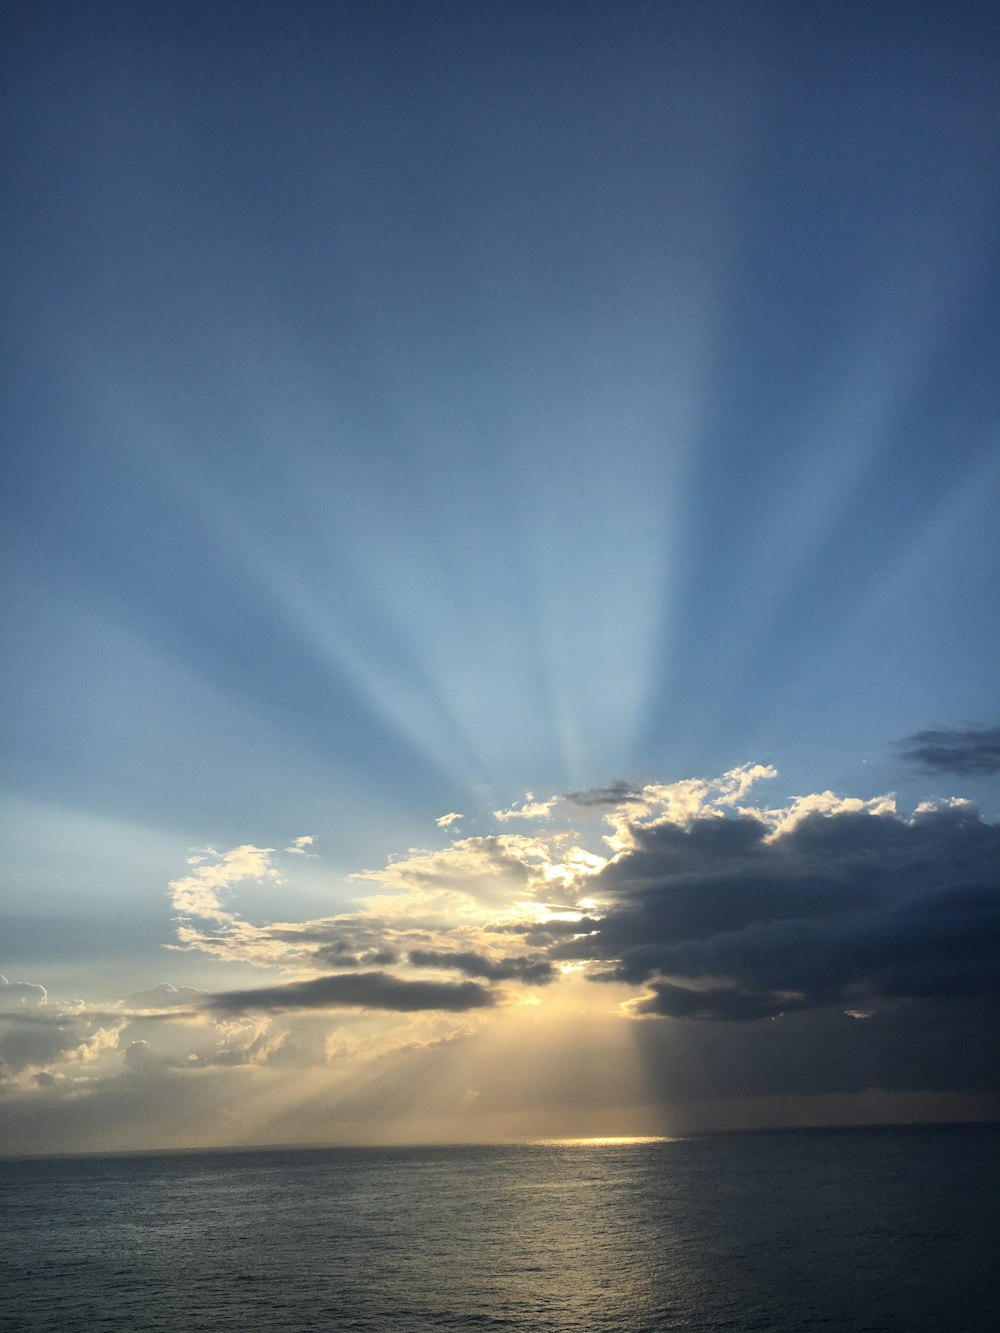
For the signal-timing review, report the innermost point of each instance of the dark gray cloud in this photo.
(534, 971)
(38, 1037)
(716, 1002)
(339, 954)
(23, 1044)
(352, 932)
(615, 793)
(969, 751)
(848, 909)
(357, 990)
(349, 940)
(542, 934)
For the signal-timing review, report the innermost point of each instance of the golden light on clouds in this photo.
(507, 988)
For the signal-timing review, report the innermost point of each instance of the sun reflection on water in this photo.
(603, 1141)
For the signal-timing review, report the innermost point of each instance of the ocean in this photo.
(887, 1230)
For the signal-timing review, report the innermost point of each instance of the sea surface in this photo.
(882, 1230)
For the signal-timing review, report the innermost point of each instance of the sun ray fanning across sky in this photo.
(500, 569)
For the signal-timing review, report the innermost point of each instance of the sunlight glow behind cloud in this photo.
(703, 910)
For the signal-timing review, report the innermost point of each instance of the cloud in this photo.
(34, 1040)
(552, 930)
(826, 803)
(338, 954)
(528, 809)
(729, 919)
(199, 893)
(445, 821)
(739, 940)
(618, 792)
(350, 940)
(535, 971)
(460, 882)
(21, 993)
(677, 803)
(300, 846)
(364, 990)
(496, 868)
(969, 751)
(710, 1002)
(712, 908)
(164, 996)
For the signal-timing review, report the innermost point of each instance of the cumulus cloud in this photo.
(446, 821)
(677, 803)
(536, 971)
(968, 751)
(825, 942)
(712, 907)
(528, 809)
(819, 947)
(300, 846)
(21, 994)
(362, 990)
(738, 918)
(35, 1041)
(483, 869)
(444, 900)
(199, 893)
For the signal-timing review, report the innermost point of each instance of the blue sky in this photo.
(410, 406)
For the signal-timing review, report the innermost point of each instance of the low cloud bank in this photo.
(819, 946)
(362, 990)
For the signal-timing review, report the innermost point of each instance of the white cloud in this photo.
(198, 894)
(445, 821)
(828, 803)
(299, 846)
(680, 802)
(528, 809)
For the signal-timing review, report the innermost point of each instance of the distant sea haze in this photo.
(881, 1230)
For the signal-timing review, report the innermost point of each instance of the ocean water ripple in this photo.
(859, 1231)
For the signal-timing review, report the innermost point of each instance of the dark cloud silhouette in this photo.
(615, 793)
(850, 909)
(542, 934)
(718, 1002)
(969, 751)
(358, 990)
(533, 971)
(23, 1044)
